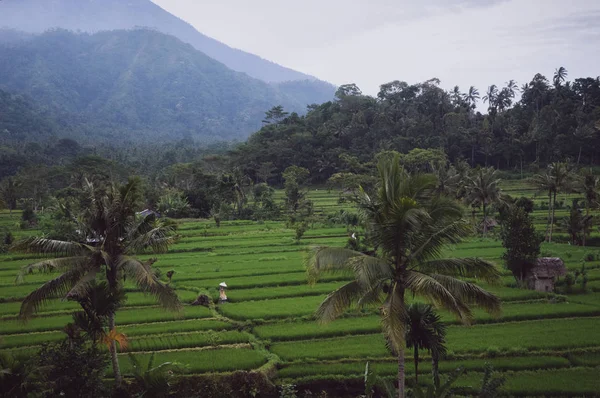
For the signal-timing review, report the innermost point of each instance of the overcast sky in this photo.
(370, 42)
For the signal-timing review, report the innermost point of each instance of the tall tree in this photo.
(564, 180)
(8, 190)
(111, 235)
(483, 190)
(425, 331)
(409, 226)
(471, 97)
(456, 96)
(275, 115)
(560, 76)
(590, 188)
(521, 241)
(511, 88)
(491, 96)
(577, 225)
(545, 182)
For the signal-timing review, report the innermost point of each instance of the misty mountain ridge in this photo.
(142, 84)
(38, 16)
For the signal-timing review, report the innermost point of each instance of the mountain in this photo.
(141, 84)
(21, 121)
(37, 16)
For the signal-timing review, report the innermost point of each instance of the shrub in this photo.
(73, 366)
(28, 218)
(300, 228)
(288, 391)
(492, 352)
(8, 238)
(525, 203)
(239, 384)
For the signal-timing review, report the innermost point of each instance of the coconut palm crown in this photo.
(410, 227)
(110, 234)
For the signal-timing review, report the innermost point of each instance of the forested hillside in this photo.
(37, 16)
(21, 121)
(554, 119)
(140, 85)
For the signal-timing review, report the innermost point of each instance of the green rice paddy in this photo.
(543, 343)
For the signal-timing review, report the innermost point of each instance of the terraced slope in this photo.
(546, 344)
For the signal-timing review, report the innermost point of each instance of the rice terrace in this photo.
(544, 343)
(299, 199)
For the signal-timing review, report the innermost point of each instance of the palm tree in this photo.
(472, 96)
(450, 181)
(491, 383)
(590, 187)
(439, 391)
(560, 75)
(564, 180)
(491, 96)
(154, 381)
(511, 87)
(483, 190)
(504, 99)
(557, 178)
(110, 234)
(8, 192)
(409, 227)
(425, 331)
(456, 95)
(577, 224)
(544, 182)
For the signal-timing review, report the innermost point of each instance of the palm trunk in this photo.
(113, 353)
(484, 219)
(552, 218)
(401, 375)
(587, 213)
(416, 364)
(435, 372)
(549, 215)
(521, 166)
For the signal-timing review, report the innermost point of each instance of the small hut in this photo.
(543, 275)
(488, 224)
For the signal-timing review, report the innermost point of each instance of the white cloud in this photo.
(464, 42)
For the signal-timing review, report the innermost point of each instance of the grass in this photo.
(307, 330)
(291, 278)
(269, 309)
(282, 292)
(531, 335)
(174, 327)
(370, 345)
(133, 299)
(186, 340)
(371, 324)
(29, 339)
(272, 305)
(391, 367)
(571, 382)
(132, 316)
(201, 361)
(572, 333)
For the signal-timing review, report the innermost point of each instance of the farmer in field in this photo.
(222, 295)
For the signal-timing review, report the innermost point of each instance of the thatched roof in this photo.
(548, 267)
